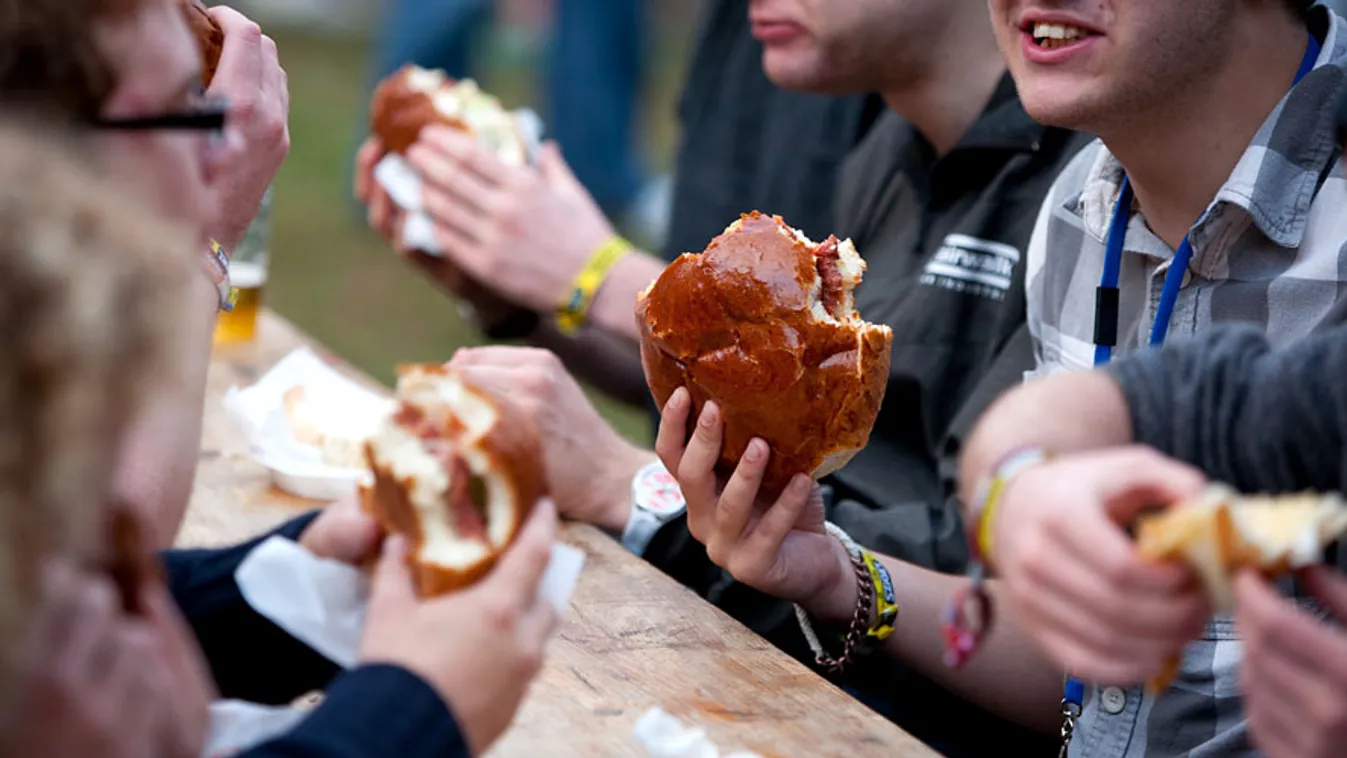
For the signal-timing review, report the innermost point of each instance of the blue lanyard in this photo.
(1106, 296)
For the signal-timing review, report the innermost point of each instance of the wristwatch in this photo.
(655, 500)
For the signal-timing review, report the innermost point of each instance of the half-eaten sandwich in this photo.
(413, 98)
(764, 323)
(1223, 533)
(456, 470)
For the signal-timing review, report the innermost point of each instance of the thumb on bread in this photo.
(392, 587)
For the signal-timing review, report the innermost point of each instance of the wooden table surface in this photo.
(633, 639)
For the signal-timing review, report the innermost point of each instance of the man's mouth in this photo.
(1051, 36)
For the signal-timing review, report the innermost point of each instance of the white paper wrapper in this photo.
(347, 409)
(664, 736)
(322, 603)
(403, 185)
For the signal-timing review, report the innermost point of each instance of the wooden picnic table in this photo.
(633, 639)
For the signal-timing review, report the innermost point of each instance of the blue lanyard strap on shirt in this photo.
(1106, 296)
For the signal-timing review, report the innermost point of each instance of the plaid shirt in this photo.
(1271, 250)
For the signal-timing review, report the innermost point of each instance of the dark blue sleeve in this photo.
(250, 657)
(372, 712)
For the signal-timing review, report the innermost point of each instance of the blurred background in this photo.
(333, 277)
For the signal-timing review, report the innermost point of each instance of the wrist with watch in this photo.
(656, 499)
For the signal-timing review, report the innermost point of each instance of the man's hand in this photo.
(1079, 587)
(1294, 669)
(343, 532)
(520, 232)
(589, 465)
(387, 220)
(252, 81)
(780, 548)
(93, 682)
(479, 648)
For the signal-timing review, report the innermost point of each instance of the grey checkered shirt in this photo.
(1271, 250)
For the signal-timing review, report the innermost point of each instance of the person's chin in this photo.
(1058, 106)
(801, 73)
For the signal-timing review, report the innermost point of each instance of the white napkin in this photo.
(403, 185)
(297, 468)
(322, 603)
(664, 736)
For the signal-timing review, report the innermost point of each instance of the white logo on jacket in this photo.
(972, 266)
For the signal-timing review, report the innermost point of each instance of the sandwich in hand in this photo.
(456, 471)
(764, 323)
(413, 98)
(1223, 533)
(209, 37)
(333, 421)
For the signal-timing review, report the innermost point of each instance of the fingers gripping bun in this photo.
(457, 471)
(209, 37)
(413, 98)
(1223, 533)
(764, 323)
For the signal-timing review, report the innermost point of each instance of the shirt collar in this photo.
(1276, 179)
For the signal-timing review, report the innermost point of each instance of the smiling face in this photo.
(848, 46)
(1094, 65)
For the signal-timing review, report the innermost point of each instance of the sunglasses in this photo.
(209, 117)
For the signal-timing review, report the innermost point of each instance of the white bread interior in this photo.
(484, 116)
(334, 422)
(1222, 533)
(404, 455)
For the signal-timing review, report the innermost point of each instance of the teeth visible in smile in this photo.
(1053, 36)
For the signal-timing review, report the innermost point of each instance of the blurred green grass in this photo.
(338, 281)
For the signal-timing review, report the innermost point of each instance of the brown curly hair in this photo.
(90, 289)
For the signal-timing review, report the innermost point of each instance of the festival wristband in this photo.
(216, 264)
(574, 312)
(886, 607)
(989, 495)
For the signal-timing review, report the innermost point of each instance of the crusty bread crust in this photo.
(398, 112)
(514, 452)
(736, 324)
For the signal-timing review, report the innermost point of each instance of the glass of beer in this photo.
(248, 273)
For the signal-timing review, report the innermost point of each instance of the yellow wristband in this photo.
(987, 503)
(574, 312)
(886, 606)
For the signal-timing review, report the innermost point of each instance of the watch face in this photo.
(657, 492)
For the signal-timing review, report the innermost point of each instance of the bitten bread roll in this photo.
(764, 323)
(413, 98)
(1223, 533)
(457, 471)
(209, 37)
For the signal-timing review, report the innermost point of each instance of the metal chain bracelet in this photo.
(860, 620)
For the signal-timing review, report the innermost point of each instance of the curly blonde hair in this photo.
(90, 289)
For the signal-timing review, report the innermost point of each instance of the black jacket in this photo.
(370, 711)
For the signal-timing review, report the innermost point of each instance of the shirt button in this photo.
(1187, 278)
(1113, 700)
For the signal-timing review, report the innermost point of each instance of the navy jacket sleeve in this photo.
(250, 657)
(371, 712)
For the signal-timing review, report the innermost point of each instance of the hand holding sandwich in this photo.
(1294, 673)
(520, 231)
(780, 548)
(251, 80)
(1080, 588)
(479, 648)
(589, 466)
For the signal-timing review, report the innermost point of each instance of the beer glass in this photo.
(248, 273)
